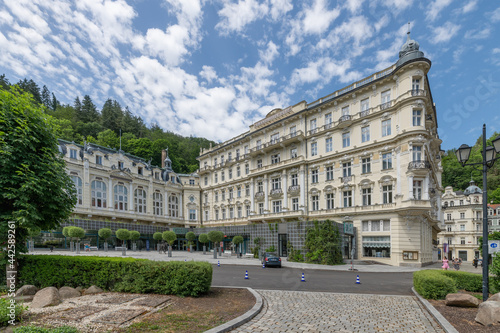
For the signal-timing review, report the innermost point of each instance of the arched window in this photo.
(121, 197)
(140, 200)
(98, 194)
(157, 204)
(79, 189)
(173, 206)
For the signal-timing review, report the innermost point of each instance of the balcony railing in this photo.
(345, 117)
(417, 92)
(364, 113)
(294, 188)
(419, 165)
(346, 179)
(386, 105)
(276, 192)
(259, 194)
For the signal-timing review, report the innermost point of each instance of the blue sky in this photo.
(211, 68)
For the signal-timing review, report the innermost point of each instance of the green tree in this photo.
(4, 82)
(203, 238)
(89, 111)
(494, 196)
(105, 233)
(170, 237)
(190, 236)
(111, 116)
(35, 190)
(46, 98)
(108, 138)
(55, 103)
(78, 233)
(237, 240)
(123, 235)
(32, 88)
(157, 236)
(323, 243)
(215, 237)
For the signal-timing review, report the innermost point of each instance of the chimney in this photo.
(163, 157)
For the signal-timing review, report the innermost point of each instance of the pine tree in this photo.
(77, 105)
(32, 88)
(4, 82)
(46, 100)
(55, 103)
(89, 111)
(111, 115)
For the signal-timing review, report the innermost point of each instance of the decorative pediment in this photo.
(122, 174)
(314, 191)
(366, 183)
(387, 180)
(329, 189)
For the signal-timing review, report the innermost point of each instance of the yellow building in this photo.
(367, 154)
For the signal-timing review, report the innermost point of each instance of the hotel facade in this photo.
(366, 155)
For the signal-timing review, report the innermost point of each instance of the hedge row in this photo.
(117, 274)
(435, 284)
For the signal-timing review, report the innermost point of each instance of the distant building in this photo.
(114, 186)
(367, 155)
(494, 217)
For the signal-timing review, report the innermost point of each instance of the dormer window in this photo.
(157, 175)
(140, 170)
(98, 160)
(73, 153)
(120, 165)
(191, 182)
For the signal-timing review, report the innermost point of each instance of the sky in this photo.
(211, 68)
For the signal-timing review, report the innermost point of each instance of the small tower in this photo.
(409, 50)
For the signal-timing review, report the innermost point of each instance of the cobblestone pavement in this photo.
(296, 311)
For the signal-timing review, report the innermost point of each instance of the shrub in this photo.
(117, 274)
(272, 248)
(169, 237)
(190, 236)
(464, 280)
(135, 235)
(203, 238)
(105, 233)
(76, 232)
(238, 240)
(495, 279)
(35, 329)
(5, 311)
(122, 234)
(431, 284)
(216, 237)
(65, 231)
(157, 236)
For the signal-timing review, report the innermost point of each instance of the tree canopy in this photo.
(35, 190)
(83, 121)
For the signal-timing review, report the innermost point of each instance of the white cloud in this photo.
(268, 55)
(436, 7)
(495, 15)
(354, 5)
(280, 7)
(169, 45)
(397, 5)
(478, 34)
(470, 6)
(235, 16)
(496, 50)
(318, 18)
(444, 33)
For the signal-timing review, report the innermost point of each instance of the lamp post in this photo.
(489, 158)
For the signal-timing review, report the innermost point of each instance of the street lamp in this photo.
(489, 158)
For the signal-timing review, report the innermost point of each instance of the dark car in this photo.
(271, 260)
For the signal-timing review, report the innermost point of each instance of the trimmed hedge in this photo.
(431, 284)
(117, 274)
(466, 281)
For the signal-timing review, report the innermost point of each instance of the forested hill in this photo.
(459, 177)
(84, 121)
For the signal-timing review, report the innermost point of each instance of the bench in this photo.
(248, 255)
(119, 248)
(93, 248)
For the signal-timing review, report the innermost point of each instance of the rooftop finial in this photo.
(408, 33)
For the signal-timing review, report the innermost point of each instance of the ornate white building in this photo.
(367, 154)
(115, 186)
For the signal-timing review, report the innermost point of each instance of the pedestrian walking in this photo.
(445, 264)
(474, 262)
(455, 264)
(459, 263)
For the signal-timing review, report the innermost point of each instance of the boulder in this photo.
(27, 290)
(495, 298)
(46, 297)
(80, 289)
(462, 300)
(24, 298)
(68, 292)
(489, 313)
(93, 290)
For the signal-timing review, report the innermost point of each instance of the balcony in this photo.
(385, 105)
(346, 179)
(279, 216)
(345, 121)
(364, 113)
(276, 193)
(417, 92)
(294, 189)
(259, 196)
(204, 169)
(419, 165)
(282, 163)
(313, 131)
(230, 162)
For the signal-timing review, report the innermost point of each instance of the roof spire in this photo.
(408, 33)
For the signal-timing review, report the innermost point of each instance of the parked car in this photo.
(271, 259)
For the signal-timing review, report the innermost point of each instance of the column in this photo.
(165, 204)
(266, 196)
(398, 171)
(410, 186)
(252, 196)
(149, 203)
(111, 203)
(425, 194)
(181, 205)
(131, 198)
(302, 183)
(87, 200)
(285, 191)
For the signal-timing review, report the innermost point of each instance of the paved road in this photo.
(295, 311)
(316, 280)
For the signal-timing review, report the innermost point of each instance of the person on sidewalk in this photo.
(445, 264)
(474, 262)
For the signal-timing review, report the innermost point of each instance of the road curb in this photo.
(244, 318)
(445, 324)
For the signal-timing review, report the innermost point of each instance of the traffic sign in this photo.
(493, 246)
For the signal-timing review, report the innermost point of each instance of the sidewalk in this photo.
(227, 259)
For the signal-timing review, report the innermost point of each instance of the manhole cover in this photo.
(120, 316)
(151, 301)
(77, 313)
(117, 299)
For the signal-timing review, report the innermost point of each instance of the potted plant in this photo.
(215, 237)
(190, 236)
(105, 233)
(123, 235)
(65, 233)
(203, 238)
(135, 236)
(238, 240)
(78, 233)
(169, 237)
(157, 236)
